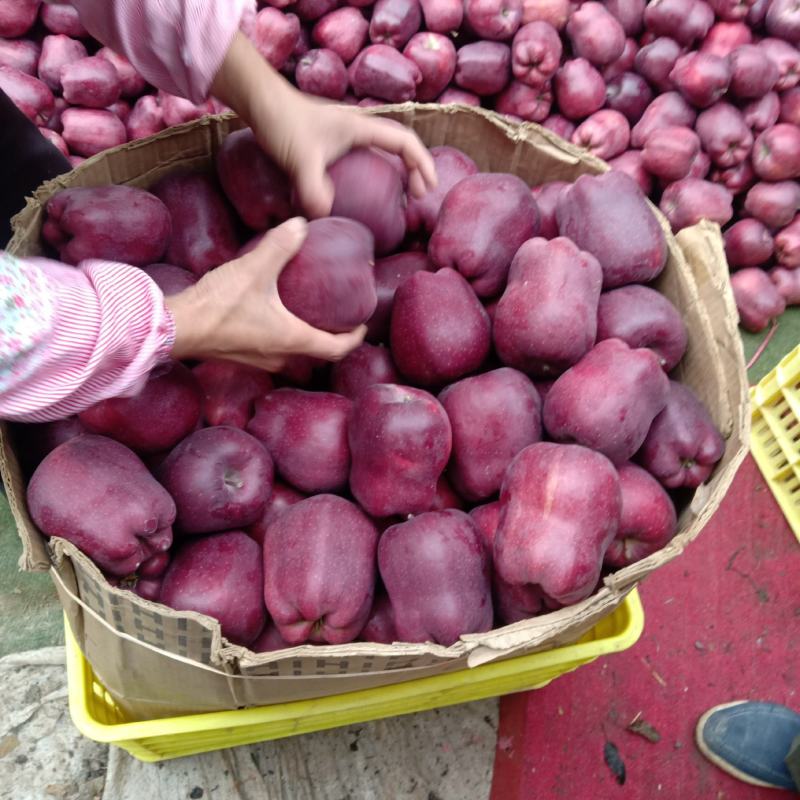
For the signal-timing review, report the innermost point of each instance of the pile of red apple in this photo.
(698, 101)
(508, 430)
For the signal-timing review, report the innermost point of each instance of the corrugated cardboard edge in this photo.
(189, 145)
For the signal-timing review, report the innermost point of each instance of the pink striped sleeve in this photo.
(98, 333)
(177, 45)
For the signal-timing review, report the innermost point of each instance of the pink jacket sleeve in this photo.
(72, 337)
(177, 45)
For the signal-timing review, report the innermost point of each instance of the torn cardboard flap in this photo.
(159, 662)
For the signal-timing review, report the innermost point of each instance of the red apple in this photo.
(146, 118)
(496, 20)
(560, 510)
(647, 521)
(674, 18)
(701, 78)
(21, 54)
(787, 282)
(439, 329)
(230, 391)
(606, 134)
(724, 134)
(689, 200)
(319, 570)
(536, 53)
(667, 110)
(596, 212)
(394, 22)
(454, 95)
(322, 73)
(670, 152)
(493, 416)
(757, 299)
(164, 411)
(390, 273)
(523, 102)
(380, 627)
(554, 12)
(787, 245)
(629, 94)
(786, 58)
(220, 576)
(725, 37)
(731, 10)
(275, 35)
(763, 113)
(655, 61)
(483, 67)
(579, 89)
(595, 34)
(366, 365)
(400, 440)
(776, 153)
(220, 478)
(783, 20)
(97, 494)
(382, 72)
(753, 74)
(17, 17)
(683, 445)
(281, 498)
(306, 435)
(608, 400)
(435, 56)
(546, 319)
(643, 317)
(774, 204)
(484, 220)
(748, 244)
(547, 196)
(344, 31)
(436, 574)
(737, 179)
(443, 16)
(625, 63)
(630, 14)
(632, 164)
(57, 52)
(29, 94)
(561, 126)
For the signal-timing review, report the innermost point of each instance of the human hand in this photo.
(234, 312)
(305, 135)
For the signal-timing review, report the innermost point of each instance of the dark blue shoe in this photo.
(750, 741)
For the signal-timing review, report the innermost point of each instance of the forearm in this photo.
(72, 337)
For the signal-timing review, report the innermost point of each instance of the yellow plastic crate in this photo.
(97, 716)
(775, 435)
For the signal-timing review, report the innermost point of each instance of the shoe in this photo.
(750, 741)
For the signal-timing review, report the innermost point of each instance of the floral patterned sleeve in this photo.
(26, 309)
(72, 337)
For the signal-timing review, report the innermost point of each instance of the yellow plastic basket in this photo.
(775, 435)
(97, 716)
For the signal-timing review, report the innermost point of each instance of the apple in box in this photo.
(608, 400)
(97, 494)
(493, 416)
(220, 478)
(319, 570)
(437, 576)
(400, 439)
(546, 319)
(439, 329)
(560, 510)
(162, 413)
(306, 435)
(483, 221)
(221, 576)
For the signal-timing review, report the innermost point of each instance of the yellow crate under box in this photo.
(775, 434)
(97, 716)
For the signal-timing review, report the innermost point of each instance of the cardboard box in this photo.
(159, 662)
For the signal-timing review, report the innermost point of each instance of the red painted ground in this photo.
(722, 623)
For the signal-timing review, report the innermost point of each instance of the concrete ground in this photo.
(438, 755)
